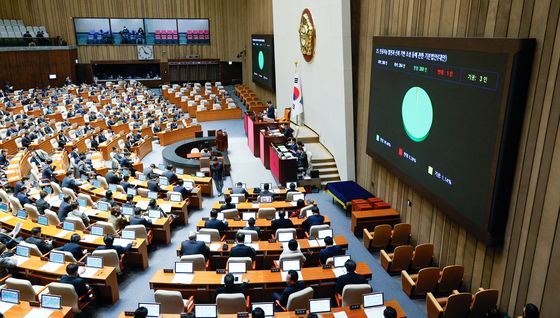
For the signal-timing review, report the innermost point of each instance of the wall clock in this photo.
(145, 52)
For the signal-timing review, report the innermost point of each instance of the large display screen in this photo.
(445, 115)
(263, 60)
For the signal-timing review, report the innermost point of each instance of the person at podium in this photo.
(270, 115)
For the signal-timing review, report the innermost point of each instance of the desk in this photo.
(194, 198)
(10, 145)
(371, 218)
(283, 169)
(219, 114)
(23, 308)
(107, 146)
(18, 167)
(262, 283)
(144, 148)
(254, 126)
(80, 143)
(344, 192)
(44, 144)
(169, 137)
(254, 207)
(266, 141)
(279, 194)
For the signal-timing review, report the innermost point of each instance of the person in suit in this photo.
(170, 175)
(65, 208)
(350, 277)
(109, 198)
(230, 287)
(292, 188)
(214, 223)
(113, 177)
(282, 222)
(47, 174)
(315, 219)
(153, 185)
(252, 227)
(35, 239)
(4, 162)
(149, 172)
(26, 140)
(239, 189)
(228, 205)
(257, 313)
(181, 189)
(302, 162)
(70, 182)
(76, 212)
(141, 312)
(293, 249)
(266, 191)
(42, 204)
(330, 250)
(293, 286)
(108, 240)
(22, 196)
(73, 247)
(270, 111)
(125, 184)
(138, 219)
(217, 172)
(73, 278)
(19, 184)
(242, 250)
(193, 247)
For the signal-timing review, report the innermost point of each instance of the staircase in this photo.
(327, 169)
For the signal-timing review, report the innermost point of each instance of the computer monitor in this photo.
(83, 178)
(68, 226)
(96, 230)
(179, 171)
(338, 261)
(152, 195)
(205, 311)
(319, 305)
(48, 190)
(269, 186)
(96, 183)
(298, 196)
(153, 309)
(22, 251)
(175, 198)
(154, 214)
(234, 200)
(290, 264)
(373, 300)
(200, 174)
(268, 308)
(51, 301)
(95, 262)
(9, 296)
(131, 191)
(237, 267)
(184, 267)
(324, 233)
(102, 206)
(163, 181)
(82, 202)
(266, 199)
(206, 238)
(43, 220)
(21, 214)
(128, 235)
(56, 257)
(142, 177)
(248, 239)
(247, 215)
(113, 187)
(188, 184)
(3, 206)
(127, 210)
(285, 236)
(289, 183)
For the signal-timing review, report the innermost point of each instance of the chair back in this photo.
(290, 196)
(139, 230)
(230, 303)
(199, 263)
(86, 197)
(171, 301)
(247, 260)
(427, 281)
(457, 306)
(265, 213)
(78, 222)
(110, 258)
(483, 301)
(297, 256)
(214, 234)
(4, 196)
(52, 217)
(286, 230)
(401, 258)
(381, 236)
(303, 212)
(67, 293)
(56, 188)
(33, 249)
(254, 235)
(450, 279)
(300, 299)
(68, 257)
(230, 213)
(32, 211)
(26, 291)
(422, 256)
(107, 227)
(352, 294)
(15, 204)
(314, 230)
(142, 192)
(401, 234)
(103, 182)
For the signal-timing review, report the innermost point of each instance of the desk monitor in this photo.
(161, 166)
(248, 239)
(290, 183)
(56, 257)
(96, 230)
(206, 238)
(188, 184)
(3, 206)
(22, 251)
(82, 202)
(68, 226)
(373, 300)
(200, 174)
(96, 183)
(131, 191)
(338, 261)
(319, 305)
(179, 171)
(126, 173)
(127, 210)
(113, 187)
(21, 214)
(142, 177)
(175, 198)
(291, 264)
(285, 236)
(9, 296)
(51, 301)
(205, 311)
(269, 186)
(237, 267)
(154, 214)
(163, 181)
(266, 199)
(298, 196)
(102, 206)
(43, 220)
(268, 308)
(48, 190)
(153, 309)
(152, 195)
(61, 196)
(324, 233)
(95, 262)
(247, 215)
(234, 199)
(128, 235)
(84, 178)
(184, 267)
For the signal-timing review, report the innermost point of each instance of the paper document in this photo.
(39, 313)
(121, 242)
(215, 246)
(88, 272)
(20, 259)
(313, 243)
(182, 278)
(62, 233)
(5, 306)
(340, 314)
(375, 312)
(89, 238)
(51, 267)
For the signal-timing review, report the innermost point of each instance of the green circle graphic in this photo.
(261, 60)
(417, 113)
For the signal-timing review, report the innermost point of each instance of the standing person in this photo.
(217, 171)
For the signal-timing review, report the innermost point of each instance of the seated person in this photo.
(230, 287)
(214, 223)
(389, 312)
(270, 112)
(117, 219)
(150, 173)
(252, 227)
(257, 313)
(350, 277)
(73, 247)
(300, 204)
(292, 188)
(141, 312)
(47, 174)
(228, 204)
(315, 219)
(293, 249)
(281, 222)
(109, 198)
(193, 247)
(19, 184)
(42, 204)
(22, 196)
(330, 250)
(239, 189)
(4, 162)
(181, 189)
(44, 246)
(152, 205)
(153, 184)
(69, 181)
(293, 286)
(65, 207)
(113, 176)
(170, 174)
(73, 278)
(125, 184)
(138, 219)
(76, 212)
(108, 239)
(242, 250)
(266, 192)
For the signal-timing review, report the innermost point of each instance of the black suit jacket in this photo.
(235, 289)
(194, 247)
(139, 220)
(73, 248)
(120, 250)
(281, 224)
(312, 220)
(242, 250)
(330, 251)
(153, 186)
(347, 279)
(290, 290)
(215, 224)
(79, 284)
(43, 246)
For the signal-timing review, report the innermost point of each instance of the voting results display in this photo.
(263, 60)
(445, 115)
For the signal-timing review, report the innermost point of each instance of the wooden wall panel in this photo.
(524, 269)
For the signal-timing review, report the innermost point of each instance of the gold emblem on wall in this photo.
(307, 35)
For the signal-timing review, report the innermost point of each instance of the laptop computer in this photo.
(373, 300)
(22, 251)
(21, 214)
(43, 220)
(285, 236)
(206, 238)
(324, 233)
(154, 309)
(96, 230)
(184, 267)
(48, 190)
(179, 171)
(247, 215)
(142, 177)
(319, 305)
(188, 185)
(200, 174)
(339, 260)
(3, 206)
(56, 257)
(82, 202)
(131, 191)
(128, 235)
(175, 198)
(269, 186)
(102, 206)
(9, 296)
(163, 181)
(127, 210)
(113, 187)
(237, 267)
(68, 226)
(290, 183)
(266, 199)
(95, 262)
(154, 214)
(234, 200)
(205, 311)
(51, 301)
(152, 195)
(290, 264)
(299, 196)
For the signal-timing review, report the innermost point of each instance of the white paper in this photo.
(166, 207)
(39, 313)
(88, 272)
(375, 312)
(253, 245)
(215, 246)
(143, 204)
(255, 205)
(285, 274)
(51, 267)
(340, 314)
(6, 218)
(183, 278)
(313, 243)
(89, 238)
(121, 242)
(62, 233)
(339, 271)
(20, 259)
(5, 306)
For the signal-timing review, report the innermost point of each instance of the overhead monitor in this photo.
(263, 60)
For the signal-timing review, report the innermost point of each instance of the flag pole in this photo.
(297, 116)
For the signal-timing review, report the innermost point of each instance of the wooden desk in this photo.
(79, 143)
(254, 207)
(262, 283)
(205, 183)
(371, 218)
(144, 148)
(169, 137)
(107, 146)
(283, 169)
(118, 128)
(254, 127)
(45, 144)
(219, 114)
(10, 145)
(18, 167)
(23, 308)
(279, 194)
(266, 141)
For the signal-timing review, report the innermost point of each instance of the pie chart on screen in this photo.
(261, 60)
(417, 113)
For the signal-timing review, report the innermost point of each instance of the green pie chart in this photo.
(417, 113)
(261, 60)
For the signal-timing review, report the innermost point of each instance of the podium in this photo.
(283, 169)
